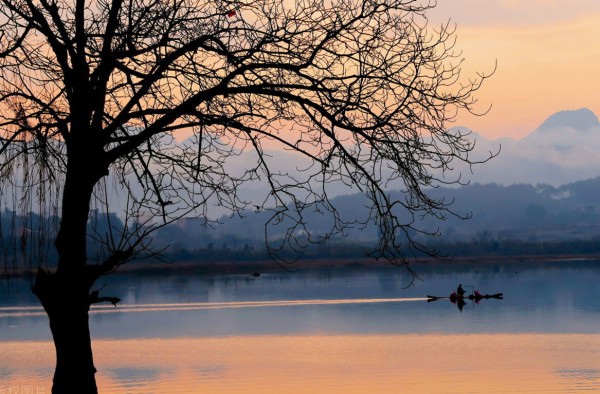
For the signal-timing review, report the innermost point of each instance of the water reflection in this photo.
(5, 373)
(546, 298)
(498, 363)
(131, 377)
(334, 331)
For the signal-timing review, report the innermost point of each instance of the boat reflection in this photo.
(461, 300)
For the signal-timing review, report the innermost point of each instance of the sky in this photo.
(547, 54)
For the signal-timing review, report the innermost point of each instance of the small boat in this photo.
(476, 296)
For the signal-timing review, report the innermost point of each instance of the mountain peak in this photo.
(581, 119)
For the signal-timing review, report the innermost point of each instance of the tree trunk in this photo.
(65, 294)
(67, 305)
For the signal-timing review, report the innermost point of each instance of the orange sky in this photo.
(548, 56)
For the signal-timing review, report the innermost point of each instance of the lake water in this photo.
(327, 331)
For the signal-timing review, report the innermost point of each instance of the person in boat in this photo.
(460, 291)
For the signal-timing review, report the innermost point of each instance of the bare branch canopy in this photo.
(161, 96)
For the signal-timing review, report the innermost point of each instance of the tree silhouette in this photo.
(94, 94)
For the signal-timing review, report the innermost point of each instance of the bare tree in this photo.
(364, 90)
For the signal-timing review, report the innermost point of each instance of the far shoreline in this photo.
(262, 266)
(258, 267)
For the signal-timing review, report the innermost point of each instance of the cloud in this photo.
(511, 12)
(524, 4)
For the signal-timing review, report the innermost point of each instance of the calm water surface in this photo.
(323, 331)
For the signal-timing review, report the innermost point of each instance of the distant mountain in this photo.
(565, 148)
(582, 119)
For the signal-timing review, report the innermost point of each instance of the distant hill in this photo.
(523, 212)
(582, 119)
(565, 148)
(542, 188)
